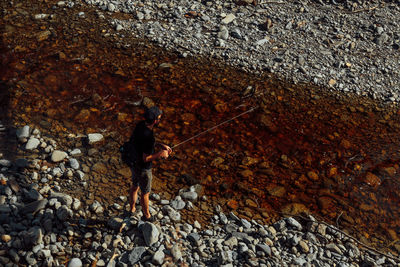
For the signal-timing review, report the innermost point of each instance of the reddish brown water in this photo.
(302, 150)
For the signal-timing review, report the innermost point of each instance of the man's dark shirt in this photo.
(143, 142)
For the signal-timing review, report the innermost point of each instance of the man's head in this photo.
(152, 115)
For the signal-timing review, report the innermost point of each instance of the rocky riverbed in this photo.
(67, 77)
(343, 46)
(43, 226)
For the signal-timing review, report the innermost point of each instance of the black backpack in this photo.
(128, 154)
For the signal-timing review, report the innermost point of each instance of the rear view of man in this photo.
(143, 143)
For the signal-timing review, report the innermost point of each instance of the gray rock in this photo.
(139, 15)
(5, 163)
(194, 238)
(75, 152)
(245, 223)
(119, 27)
(192, 196)
(235, 33)
(32, 144)
(23, 132)
(115, 223)
(64, 213)
(75, 262)
(164, 202)
(80, 174)
(32, 195)
(158, 257)
(57, 172)
(34, 207)
(231, 242)
(33, 236)
(30, 259)
(96, 207)
(177, 203)
(94, 138)
(58, 155)
(299, 261)
(261, 42)
(223, 33)
(225, 257)
(176, 252)
(74, 163)
(333, 248)
(264, 248)
(136, 255)
(173, 214)
(111, 7)
(293, 223)
(63, 198)
(150, 233)
(76, 204)
(223, 218)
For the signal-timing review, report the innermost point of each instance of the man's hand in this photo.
(165, 147)
(164, 154)
(168, 149)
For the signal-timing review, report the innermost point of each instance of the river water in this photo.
(301, 150)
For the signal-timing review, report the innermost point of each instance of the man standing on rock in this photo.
(143, 144)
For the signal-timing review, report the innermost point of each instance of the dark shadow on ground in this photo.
(8, 143)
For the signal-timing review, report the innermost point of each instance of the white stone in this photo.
(76, 151)
(58, 156)
(228, 19)
(75, 262)
(94, 138)
(32, 143)
(197, 225)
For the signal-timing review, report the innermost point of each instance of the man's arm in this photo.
(163, 154)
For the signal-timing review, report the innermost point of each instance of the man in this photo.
(143, 145)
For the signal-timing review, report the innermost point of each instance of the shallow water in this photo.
(301, 150)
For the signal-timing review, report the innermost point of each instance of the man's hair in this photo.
(151, 114)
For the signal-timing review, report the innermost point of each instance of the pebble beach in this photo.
(343, 46)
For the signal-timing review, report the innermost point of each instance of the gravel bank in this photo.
(343, 46)
(42, 226)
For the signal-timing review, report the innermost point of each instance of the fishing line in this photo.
(214, 127)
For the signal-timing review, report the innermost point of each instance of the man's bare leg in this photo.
(133, 192)
(144, 201)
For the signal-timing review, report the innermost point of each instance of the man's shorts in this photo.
(142, 178)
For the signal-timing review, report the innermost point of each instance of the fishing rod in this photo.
(214, 127)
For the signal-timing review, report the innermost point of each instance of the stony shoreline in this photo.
(342, 46)
(43, 226)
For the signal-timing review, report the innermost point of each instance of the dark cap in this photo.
(152, 113)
